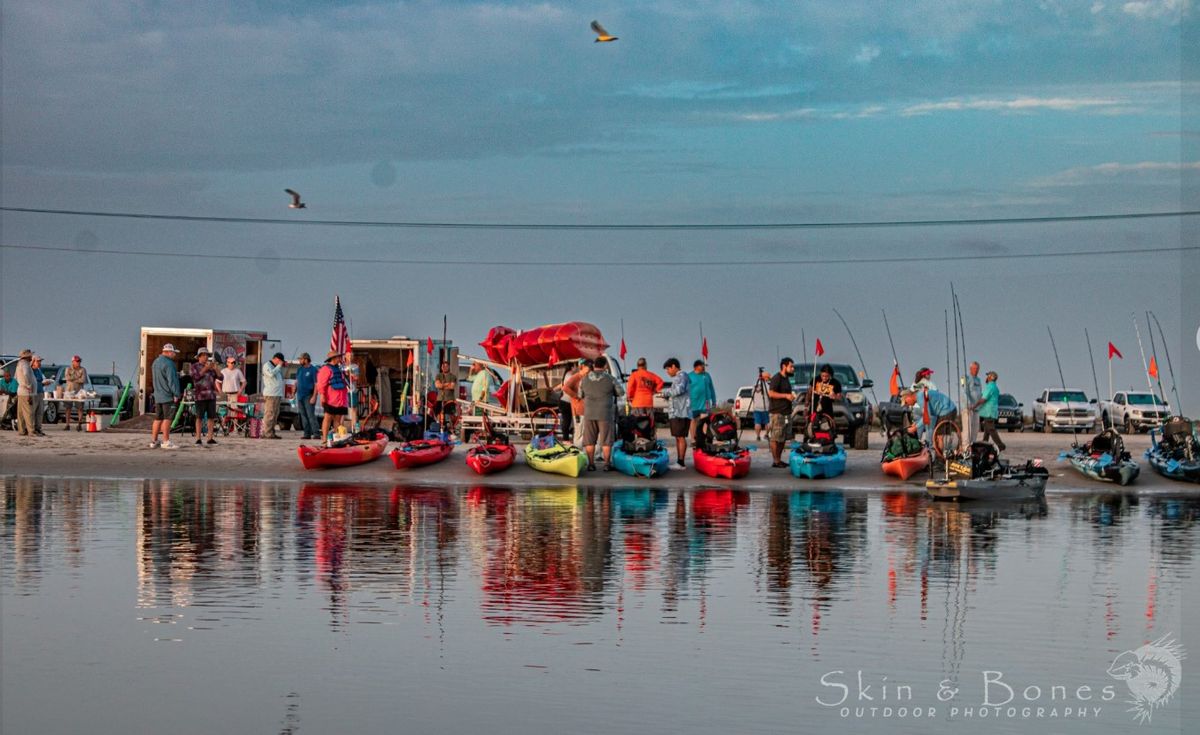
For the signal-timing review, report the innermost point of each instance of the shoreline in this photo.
(125, 455)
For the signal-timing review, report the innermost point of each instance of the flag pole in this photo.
(1095, 380)
(803, 343)
(1141, 349)
(1170, 367)
(1154, 355)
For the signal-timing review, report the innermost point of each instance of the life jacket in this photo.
(821, 429)
(722, 428)
(337, 379)
(637, 433)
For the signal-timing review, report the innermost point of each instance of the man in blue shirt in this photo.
(941, 408)
(989, 411)
(306, 400)
(39, 402)
(167, 392)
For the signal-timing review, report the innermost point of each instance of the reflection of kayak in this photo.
(486, 459)
(805, 462)
(717, 502)
(804, 503)
(727, 464)
(633, 503)
(361, 449)
(563, 497)
(906, 467)
(420, 453)
(643, 464)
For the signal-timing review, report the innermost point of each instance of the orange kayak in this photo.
(906, 467)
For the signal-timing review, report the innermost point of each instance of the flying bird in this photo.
(602, 36)
(296, 203)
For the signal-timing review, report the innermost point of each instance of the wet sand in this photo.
(124, 454)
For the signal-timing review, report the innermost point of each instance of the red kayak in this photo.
(728, 464)
(486, 459)
(906, 467)
(548, 343)
(420, 452)
(361, 449)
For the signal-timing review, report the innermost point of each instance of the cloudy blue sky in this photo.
(702, 112)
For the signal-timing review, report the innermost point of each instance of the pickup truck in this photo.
(1134, 411)
(853, 416)
(1064, 409)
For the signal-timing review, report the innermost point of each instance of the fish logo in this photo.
(1152, 674)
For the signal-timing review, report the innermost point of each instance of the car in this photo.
(1010, 415)
(1064, 409)
(1134, 411)
(852, 416)
(109, 387)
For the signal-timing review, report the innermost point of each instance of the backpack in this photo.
(722, 428)
(636, 433)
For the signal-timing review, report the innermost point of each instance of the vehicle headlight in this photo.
(855, 398)
(1136, 412)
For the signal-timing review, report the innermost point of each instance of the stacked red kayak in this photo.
(362, 448)
(545, 344)
(420, 452)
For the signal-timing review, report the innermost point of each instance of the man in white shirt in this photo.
(233, 380)
(272, 390)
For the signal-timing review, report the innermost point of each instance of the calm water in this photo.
(163, 607)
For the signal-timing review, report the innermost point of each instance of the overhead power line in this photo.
(611, 227)
(748, 262)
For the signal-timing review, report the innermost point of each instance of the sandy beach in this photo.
(126, 454)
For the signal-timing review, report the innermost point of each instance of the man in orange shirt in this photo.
(642, 387)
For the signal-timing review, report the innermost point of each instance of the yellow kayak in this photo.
(557, 459)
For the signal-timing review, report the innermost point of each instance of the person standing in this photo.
(75, 378)
(272, 390)
(39, 398)
(570, 389)
(481, 387)
(333, 393)
(306, 398)
(973, 392)
(643, 385)
(704, 395)
(781, 397)
(350, 370)
(826, 391)
(760, 404)
(679, 407)
(446, 384)
(989, 411)
(27, 387)
(206, 383)
(167, 392)
(923, 380)
(599, 391)
(233, 381)
(8, 384)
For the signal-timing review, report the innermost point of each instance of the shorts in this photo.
(597, 432)
(761, 418)
(680, 427)
(698, 414)
(164, 411)
(206, 409)
(778, 427)
(335, 410)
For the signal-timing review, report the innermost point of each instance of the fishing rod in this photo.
(1066, 395)
(860, 357)
(1170, 367)
(1142, 350)
(959, 376)
(1154, 356)
(946, 317)
(888, 327)
(803, 343)
(1095, 380)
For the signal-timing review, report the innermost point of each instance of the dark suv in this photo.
(1010, 415)
(852, 416)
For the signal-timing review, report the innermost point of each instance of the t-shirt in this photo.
(446, 394)
(232, 380)
(991, 401)
(74, 377)
(824, 393)
(599, 392)
(780, 383)
(165, 380)
(204, 381)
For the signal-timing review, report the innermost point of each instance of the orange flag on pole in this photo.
(894, 383)
(1153, 368)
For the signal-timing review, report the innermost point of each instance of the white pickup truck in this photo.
(1064, 409)
(1134, 411)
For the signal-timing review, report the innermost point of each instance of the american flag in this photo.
(340, 340)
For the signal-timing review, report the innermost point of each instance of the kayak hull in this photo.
(1015, 486)
(812, 466)
(1105, 468)
(557, 460)
(654, 463)
(728, 465)
(488, 459)
(568, 341)
(313, 458)
(420, 453)
(1173, 469)
(906, 467)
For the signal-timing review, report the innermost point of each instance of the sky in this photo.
(702, 113)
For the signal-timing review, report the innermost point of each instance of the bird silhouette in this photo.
(296, 203)
(602, 36)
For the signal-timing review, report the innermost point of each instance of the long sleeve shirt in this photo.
(704, 395)
(272, 380)
(680, 397)
(166, 380)
(26, 380)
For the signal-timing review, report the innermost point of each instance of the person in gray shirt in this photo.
(167, 393)
(599, 391)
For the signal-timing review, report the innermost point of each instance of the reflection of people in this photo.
(167, 392)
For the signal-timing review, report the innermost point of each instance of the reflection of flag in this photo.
(894, 383)
(429, 346)
(339, 341)
(704, 348)
(1112, 350)
(820, 349)
(1153, 368)
(623, 350)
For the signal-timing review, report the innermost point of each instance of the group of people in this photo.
(931, 408)
(26, 386)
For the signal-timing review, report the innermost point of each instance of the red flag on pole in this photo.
(1112, 350)
(429, 346)
(820, 349)
(410, 358)
(623, 350)
(894, 383)
(925, 418)
(704, 348)
(1153, 368)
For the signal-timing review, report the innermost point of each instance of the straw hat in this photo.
(332, 354)
(25, 355)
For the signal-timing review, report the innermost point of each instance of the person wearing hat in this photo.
(940, 408)
(75, 378)
(167, 392)
(272, 390)
(306, 398)
(206, 383)
(922, 381)
(641, 388)
(973, 394)
(988, 410)
(233, 380)
(27, 391)
(39, 401)
(333, 393)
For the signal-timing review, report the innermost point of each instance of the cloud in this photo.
(866, 54)
(1016, 104)
(1153, 171)
(1150, 9)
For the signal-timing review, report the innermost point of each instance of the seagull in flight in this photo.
(296, 203)
(602, 36)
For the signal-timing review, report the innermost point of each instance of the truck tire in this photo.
(1128, 428)
(862, 437)
(1046, 428)
(297, 424)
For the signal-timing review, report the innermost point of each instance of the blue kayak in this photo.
(814, 461)
(651, 463)
(1174, 450)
